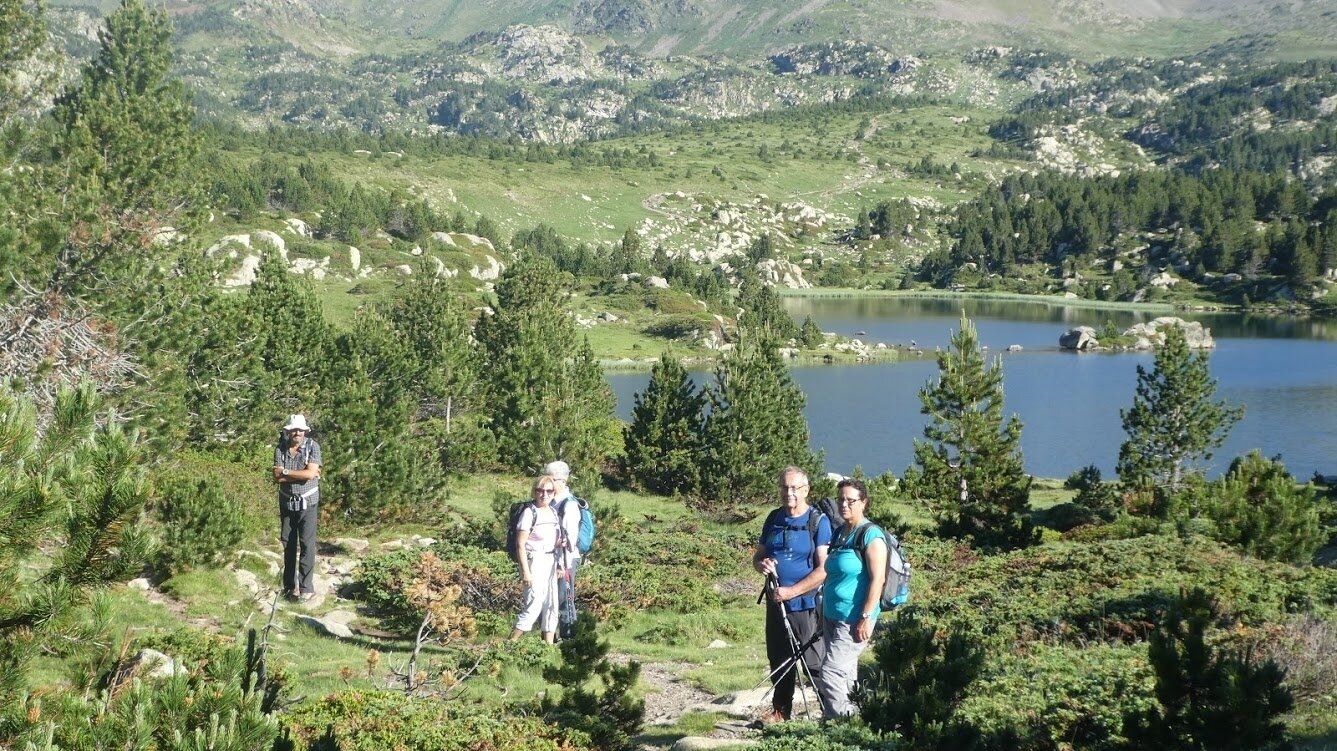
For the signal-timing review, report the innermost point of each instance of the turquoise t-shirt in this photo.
(846, 587)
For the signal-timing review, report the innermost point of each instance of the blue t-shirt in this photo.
(847, 581)
(788, 541)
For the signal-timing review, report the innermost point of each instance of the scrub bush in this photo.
(1208, 698)
(378, 720)
(201, 525)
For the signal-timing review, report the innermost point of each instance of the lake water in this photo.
(1283, 371)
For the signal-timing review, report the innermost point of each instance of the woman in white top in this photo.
(538, 536)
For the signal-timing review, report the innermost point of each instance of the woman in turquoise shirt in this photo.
(851, 597)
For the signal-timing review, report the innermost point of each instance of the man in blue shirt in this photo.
(792, 549)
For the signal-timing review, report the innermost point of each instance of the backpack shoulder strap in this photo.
(861, 536)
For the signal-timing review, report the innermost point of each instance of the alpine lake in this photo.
(1283, 371)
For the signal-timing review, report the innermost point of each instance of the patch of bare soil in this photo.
(668, 695)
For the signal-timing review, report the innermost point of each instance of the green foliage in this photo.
(1100, 499)
(810, 334)
(1105, 590)
(607, 713)
(755, 427)
(762, 311)
(487, 582)
(1258, 507)
(916, 684)
(215, 705)
(840, 736)
(377, 720)
(124, 146)
(430, 317)
(1061, 697)
(201, 525)
(1208, 698)
(663, 440)
(78, 491)
(1172, 421)
(970, 466)
(376, 466)
(547, 395)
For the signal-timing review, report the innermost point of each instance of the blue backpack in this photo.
(585, 538)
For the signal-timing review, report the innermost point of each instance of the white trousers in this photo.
(540, 596)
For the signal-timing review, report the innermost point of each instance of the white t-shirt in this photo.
(542, 526)
(570, 522)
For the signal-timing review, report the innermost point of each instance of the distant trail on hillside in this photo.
(853, 182)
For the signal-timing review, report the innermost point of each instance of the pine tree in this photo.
(970, 467)
(755, 426)
(810, 334)
(917, 682)
(546, 395)
(376, 465)
(762, 309)
(1258, 507)
(124, 146)
(663, 441)
(604, 707)
(435, 326)
(71, 499)
(1208, 699)
(1172, 421)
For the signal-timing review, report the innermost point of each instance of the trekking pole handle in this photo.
(770, 586)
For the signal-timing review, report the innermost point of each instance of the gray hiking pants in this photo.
(841, 668)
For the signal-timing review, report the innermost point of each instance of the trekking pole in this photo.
(796, 650)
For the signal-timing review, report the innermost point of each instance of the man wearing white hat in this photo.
(297, 473)
(568, 512)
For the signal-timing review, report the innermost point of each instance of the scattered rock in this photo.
(718, 644)
(142, 584)
(1080, 338)
(1197, 336)
(351, 544)
(247, 580)
(150, 663)
(334, 623)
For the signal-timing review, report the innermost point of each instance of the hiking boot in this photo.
(772, 716)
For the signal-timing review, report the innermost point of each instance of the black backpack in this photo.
(512, 527)
(896, 585)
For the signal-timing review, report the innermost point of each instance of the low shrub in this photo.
(1054, 697)
(1207, 698)
(201, 525)
(1112, 590)
(378, 720)
(677, 326)
(486, 581)
(217, 700)
(836, 736)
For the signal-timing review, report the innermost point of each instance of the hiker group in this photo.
(829, 570)
(547, 536)
(829, 573)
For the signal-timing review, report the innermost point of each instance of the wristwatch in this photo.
(866, 616)
(285, 471)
